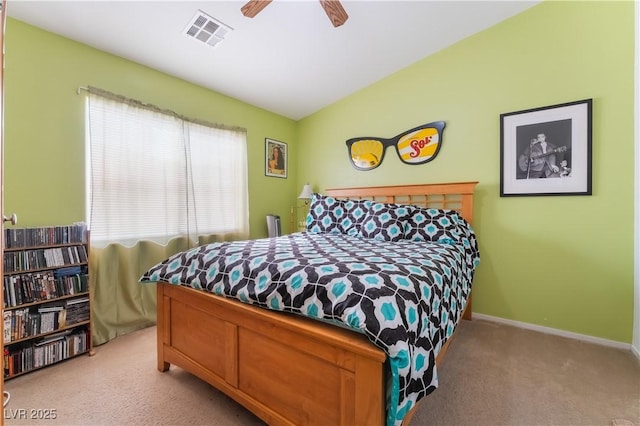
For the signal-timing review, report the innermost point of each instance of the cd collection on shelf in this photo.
(47, 299)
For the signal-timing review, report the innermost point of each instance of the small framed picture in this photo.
(546, 150)
(275, 158)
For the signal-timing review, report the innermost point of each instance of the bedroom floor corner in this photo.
(492, 374)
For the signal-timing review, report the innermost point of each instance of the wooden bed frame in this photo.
(260, 357)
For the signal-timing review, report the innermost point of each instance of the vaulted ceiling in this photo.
(289, 59)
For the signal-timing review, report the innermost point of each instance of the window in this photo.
(153, 175)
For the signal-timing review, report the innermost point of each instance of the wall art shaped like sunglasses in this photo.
(416, 146)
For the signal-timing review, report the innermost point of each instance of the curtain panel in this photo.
(157, 183)
(121, 304)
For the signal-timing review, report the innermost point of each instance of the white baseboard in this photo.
(562, 333)
(635, 351)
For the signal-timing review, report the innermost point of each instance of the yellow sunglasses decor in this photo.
(415, 146)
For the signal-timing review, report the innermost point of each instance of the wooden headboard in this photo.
(455, 196)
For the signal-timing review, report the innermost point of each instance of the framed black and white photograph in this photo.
(546, 150)
(275, 158)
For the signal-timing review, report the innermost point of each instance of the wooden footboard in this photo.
(287, 370)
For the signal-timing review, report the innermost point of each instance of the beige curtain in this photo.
(121, 304)
(198, 187)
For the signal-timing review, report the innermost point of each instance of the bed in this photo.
(302, 366)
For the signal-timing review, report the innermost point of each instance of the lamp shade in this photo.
(306, 192)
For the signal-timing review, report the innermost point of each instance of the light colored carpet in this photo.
(493, 374)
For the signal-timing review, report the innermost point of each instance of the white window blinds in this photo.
(153, 175)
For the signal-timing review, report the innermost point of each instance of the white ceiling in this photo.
(289, 59)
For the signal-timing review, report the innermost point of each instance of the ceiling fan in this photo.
(336, 13)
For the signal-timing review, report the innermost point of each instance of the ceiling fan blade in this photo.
(253, 7)
(336, 13)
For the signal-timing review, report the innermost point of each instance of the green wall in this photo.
(44, 125)
(561, 262)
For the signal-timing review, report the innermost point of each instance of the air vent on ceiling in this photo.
(207, 29)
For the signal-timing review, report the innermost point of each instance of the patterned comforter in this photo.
(406, 296)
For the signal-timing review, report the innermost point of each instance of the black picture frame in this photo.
(546, 150)
(275, 163)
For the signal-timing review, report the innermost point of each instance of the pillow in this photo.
(355, 212)
(433, 225)
(325, 214)
(469, 241)
(386, 222)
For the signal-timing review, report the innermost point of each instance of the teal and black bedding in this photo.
(405, 295)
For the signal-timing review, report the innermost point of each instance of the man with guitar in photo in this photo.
(539, 159)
